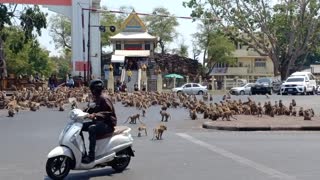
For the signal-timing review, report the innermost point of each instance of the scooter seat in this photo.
(117, 130)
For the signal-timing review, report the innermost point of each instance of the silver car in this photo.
(242, 90)
(191, 88)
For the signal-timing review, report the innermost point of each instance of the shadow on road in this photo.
(86, 175)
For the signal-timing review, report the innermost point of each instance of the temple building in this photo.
(133, 46)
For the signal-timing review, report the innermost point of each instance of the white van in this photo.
(300, 82)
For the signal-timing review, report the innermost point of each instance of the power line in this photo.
(148, 14)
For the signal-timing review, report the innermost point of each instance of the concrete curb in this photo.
(208, 125)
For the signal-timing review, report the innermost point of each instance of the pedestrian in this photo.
(136, 88)
(70, 82)
(51, 82)
(144, 88)
(129, 73)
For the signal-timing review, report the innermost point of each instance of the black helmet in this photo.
(96, 86)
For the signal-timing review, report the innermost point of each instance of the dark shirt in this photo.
(104, 111)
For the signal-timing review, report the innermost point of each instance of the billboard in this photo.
(40, 2)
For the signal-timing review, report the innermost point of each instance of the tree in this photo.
(216, 46)
(63, 64)
(220, 49)
(182, 49)
(60, 31)
(196, 51)
(162, 25)
(109, 19)
(286, 31)
(31, 18)
(30, 58)
(203, 37)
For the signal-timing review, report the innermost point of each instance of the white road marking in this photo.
(260, 167)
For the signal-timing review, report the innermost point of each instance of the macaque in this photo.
(158, 131)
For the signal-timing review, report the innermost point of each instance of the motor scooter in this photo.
(114, 150)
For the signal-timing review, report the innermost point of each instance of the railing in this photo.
(237, 70)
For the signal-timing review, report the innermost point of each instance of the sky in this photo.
(185, 29)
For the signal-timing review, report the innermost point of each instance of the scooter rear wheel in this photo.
(122, 161)
(58, 167)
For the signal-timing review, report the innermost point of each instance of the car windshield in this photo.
(264, 80)
(295, 80)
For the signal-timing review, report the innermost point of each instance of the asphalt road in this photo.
(187, 151)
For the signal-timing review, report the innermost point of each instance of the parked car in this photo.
(191, 88)
(266, 85)
(299, 85)
(241, 90)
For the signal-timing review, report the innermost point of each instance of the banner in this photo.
(40, 2)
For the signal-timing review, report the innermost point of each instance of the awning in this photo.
(132, 53)
(117, 59)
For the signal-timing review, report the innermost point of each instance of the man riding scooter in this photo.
(103, 118)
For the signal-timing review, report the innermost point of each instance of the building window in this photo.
(132, 47)
(147, 46)
(260, 63)
(118, 45)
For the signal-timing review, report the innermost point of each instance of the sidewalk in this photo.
(265, 123)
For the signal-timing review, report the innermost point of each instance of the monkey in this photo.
(306, 115)
(33, 107)
(301, 111)
(164, 108)
(74, 104)
(280, 104)
(11, 112)
(205, 114)
(133, 119)
(294, 112)
(226, 115)
(61, 108)
(193, 114)
(143, 112)
(311, 112)
(158, 131)
(290, 107)
(165, 115)
(272, 112)
(224, 97)
(294, 103)
(210, 97)
(142, 127)
(260, 110)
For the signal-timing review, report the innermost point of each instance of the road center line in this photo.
(262, 168)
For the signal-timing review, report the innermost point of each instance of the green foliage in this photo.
(32, 18)
(109, 19)
(29, 59)
(162, 25)
(286, 32)
(182, 50)
(60, 31)
(220, 50)
(63, 64)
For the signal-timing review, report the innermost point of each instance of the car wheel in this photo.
(241, 92)
(200, 92)
(179, 92)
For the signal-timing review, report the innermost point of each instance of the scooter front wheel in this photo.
(58, 167)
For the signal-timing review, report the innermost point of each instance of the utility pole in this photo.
(89, 62)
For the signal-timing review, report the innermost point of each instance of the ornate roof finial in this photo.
(133, 11)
